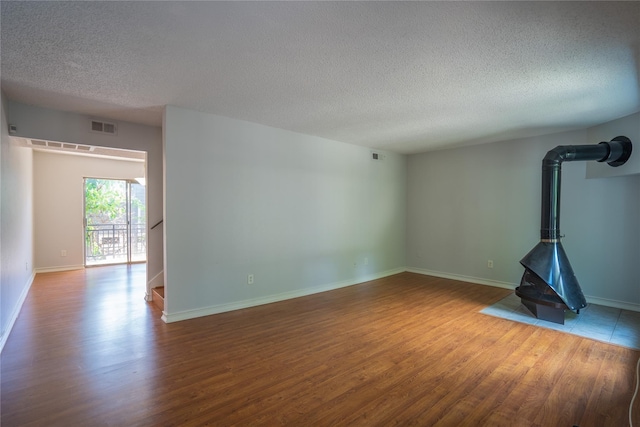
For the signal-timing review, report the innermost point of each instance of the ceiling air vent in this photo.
(60, 145)
(103, 127)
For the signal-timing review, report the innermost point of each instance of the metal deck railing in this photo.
(108, 243)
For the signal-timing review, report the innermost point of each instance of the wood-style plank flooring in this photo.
(87, 350)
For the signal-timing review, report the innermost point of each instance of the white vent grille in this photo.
(60, 145)
(104, 127)
(82, 150)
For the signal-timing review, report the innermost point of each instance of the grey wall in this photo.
(468, 205)
(54, 125)
(16, 227)
(628, 126)
(300, 213)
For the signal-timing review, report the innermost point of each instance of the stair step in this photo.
(158, 297)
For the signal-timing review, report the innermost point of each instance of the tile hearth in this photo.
(607, 324)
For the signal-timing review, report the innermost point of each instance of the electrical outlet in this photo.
(250, 279)
(63, 252)
(490, 263)
(366, 261)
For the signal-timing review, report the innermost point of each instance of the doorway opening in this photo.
(115, 229)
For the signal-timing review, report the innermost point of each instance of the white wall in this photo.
(469, 205)
(300, 213)
(54, 125)
(16, 230)
(58, 203)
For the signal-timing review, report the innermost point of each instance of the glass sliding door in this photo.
(137, 222)
(115, 222)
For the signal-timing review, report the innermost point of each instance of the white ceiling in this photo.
(402, 76)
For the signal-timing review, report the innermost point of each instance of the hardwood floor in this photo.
(408, 350)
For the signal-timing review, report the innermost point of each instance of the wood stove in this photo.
(549, 286)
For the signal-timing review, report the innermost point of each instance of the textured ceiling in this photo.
(407, 77)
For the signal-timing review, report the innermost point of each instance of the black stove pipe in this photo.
(615, 153)
(548, 261)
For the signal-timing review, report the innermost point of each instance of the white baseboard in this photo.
(221, 308)
(57, 269)
(613, 303)
(590, 299)
(16, 311)
(469, 279)
(157, 281)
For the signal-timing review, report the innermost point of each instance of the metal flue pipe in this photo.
(547, 263)
(615, 153)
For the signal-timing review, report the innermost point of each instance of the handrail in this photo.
(157, 224)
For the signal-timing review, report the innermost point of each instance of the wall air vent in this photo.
(375, 155)
(104, 127)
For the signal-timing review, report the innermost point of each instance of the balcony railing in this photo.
(108, 243)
